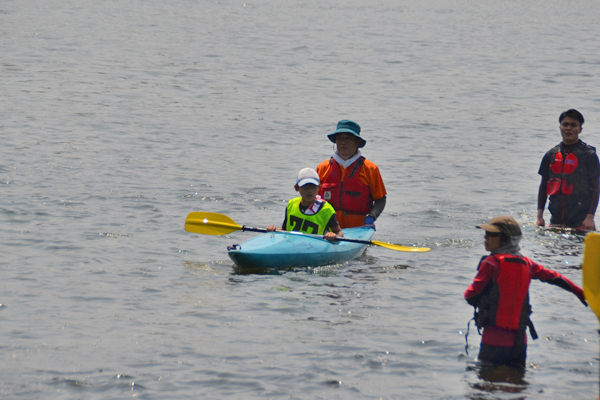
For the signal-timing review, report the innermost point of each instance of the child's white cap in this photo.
(307, 175)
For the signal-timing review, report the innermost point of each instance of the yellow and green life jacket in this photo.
(313, 221)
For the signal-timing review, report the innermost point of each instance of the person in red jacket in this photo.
(351, 183)
(500, 294)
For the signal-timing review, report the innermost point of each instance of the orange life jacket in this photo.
(351, 195)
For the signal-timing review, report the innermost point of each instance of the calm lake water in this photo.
(118, 118)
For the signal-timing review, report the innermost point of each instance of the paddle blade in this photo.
(591, 271)
(397, 247)
(208, 223)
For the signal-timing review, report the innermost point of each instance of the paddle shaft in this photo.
(208, 223)
(250, 229)
(341, 239)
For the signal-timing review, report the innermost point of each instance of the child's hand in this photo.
(330, 236)
(271, 228)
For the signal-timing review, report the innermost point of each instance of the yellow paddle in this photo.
(208, 223)
(591, 271)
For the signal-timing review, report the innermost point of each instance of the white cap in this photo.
(307, 175)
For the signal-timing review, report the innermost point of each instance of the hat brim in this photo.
(489, 228)
(306, 181)
(331, 136)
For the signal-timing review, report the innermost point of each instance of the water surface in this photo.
(121, 117)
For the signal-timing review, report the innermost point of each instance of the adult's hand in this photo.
(540, 222)
(271, 228)
(540, 217)
(588, 223)
(370, 222)
(577, 291)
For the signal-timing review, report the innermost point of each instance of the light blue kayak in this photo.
(291, 249)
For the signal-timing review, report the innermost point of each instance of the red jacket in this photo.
(489, 273)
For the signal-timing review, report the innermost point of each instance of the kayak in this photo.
(293, 249)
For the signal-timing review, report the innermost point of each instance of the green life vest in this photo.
(316, 223)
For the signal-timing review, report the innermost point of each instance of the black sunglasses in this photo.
(492, 234)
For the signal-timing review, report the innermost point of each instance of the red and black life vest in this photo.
(505, 303)
(351, 195)
(561, 174)
(568, 173)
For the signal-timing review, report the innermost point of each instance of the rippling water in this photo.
(121, 117)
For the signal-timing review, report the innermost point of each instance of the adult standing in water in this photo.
(500, 293)
(570, 177)
(351, 183)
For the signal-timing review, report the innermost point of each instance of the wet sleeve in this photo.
(542, 197)
(544, 172)
(378, 206)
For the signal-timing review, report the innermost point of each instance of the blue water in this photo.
(119, 118)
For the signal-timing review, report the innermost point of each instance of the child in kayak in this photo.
(500, 293)
(309, 213)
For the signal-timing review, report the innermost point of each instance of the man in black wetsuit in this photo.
(570, 177)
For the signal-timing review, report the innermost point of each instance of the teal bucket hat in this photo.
(347, 126)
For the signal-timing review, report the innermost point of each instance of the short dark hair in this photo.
(572, 113)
